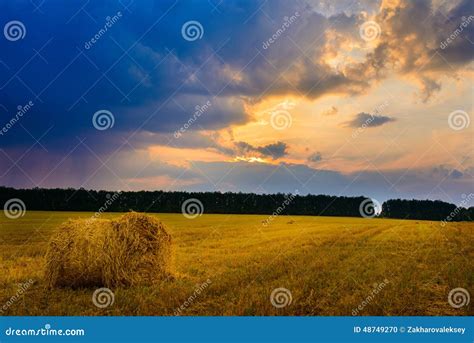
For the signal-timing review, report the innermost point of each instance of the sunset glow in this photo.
(345, 98)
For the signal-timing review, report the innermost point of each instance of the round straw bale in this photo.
(136, 249)
(140, 251)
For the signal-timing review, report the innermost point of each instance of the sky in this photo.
(370, 98)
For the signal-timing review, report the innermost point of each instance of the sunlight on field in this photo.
(327, 266)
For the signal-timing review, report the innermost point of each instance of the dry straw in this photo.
(136, 249)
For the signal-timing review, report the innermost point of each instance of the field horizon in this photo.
(252, 265)
(217, 202)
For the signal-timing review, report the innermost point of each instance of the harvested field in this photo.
(232, 264)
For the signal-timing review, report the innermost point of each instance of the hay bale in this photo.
(75, 255)
(140, 251)
(136, 249)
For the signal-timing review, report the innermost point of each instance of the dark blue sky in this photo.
(131, 59)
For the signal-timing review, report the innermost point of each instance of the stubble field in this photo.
(231, 265)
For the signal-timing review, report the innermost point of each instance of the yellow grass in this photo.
(330, 265)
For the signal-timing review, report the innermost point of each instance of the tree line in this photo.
(427, 210)
(41, 199)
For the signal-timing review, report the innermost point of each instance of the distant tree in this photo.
(70, 199)
(425, 209)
